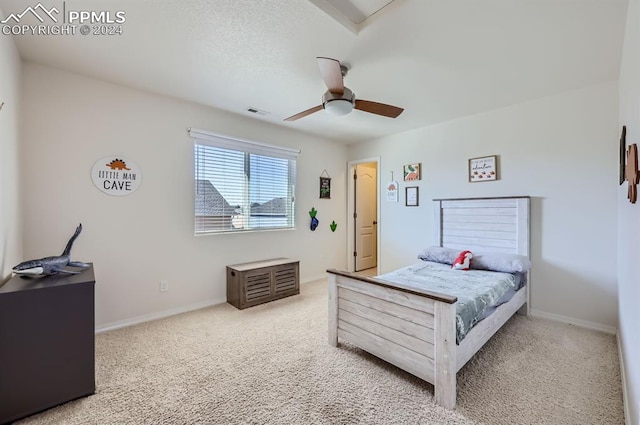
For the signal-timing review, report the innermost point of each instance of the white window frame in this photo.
(207, 138)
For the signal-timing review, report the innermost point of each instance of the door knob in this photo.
(375, 222)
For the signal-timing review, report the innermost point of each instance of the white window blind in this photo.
(242, 185)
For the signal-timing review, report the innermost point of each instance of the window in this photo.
(242, 185)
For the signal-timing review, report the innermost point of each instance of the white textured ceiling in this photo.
(438, 59)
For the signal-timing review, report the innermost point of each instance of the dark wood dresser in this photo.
(47, 342)
(250, 284)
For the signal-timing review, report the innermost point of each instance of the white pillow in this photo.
(439, 254)
(507, 263)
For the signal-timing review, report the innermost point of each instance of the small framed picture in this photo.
(411, 172)
(411, 196)
(623, 153)
(325, 188)
(483, 169)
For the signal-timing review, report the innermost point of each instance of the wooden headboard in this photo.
(483, 225)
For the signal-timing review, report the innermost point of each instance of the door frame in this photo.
(350, 209)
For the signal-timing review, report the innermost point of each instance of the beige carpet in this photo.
(271, 364)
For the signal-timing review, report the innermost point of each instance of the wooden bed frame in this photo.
(415, 330)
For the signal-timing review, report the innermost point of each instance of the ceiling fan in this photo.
(339, 100)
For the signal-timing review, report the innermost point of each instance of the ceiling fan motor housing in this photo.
(339, 104)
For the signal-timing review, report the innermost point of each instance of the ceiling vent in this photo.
(256, 111)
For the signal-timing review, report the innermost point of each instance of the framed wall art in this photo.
(632, 173)
(411, 198)
(483, 169)
(623, 153)
(325, 185)
(412, 172)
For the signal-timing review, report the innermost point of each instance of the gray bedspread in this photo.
(477, 290)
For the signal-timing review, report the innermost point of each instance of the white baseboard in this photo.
(178, 310)
(577, 322)
(623, 374)
(313, 278)
(159, 315)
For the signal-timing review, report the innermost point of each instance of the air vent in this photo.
(256, 111)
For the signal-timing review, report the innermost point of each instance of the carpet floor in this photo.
(271, 364)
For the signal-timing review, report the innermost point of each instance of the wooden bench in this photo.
(258, 282)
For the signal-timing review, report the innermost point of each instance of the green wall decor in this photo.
(314, 221)
(333, 226)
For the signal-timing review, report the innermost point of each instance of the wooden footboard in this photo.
(411, 329)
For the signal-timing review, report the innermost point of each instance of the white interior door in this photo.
(366, 213)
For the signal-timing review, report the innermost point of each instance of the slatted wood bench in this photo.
(258, 282)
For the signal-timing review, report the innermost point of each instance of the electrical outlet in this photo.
(164, 285)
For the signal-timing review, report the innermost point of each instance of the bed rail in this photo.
(419, 292)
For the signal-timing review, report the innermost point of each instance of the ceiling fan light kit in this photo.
(339, 100)
(338, 104)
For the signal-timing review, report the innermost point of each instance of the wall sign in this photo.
(116, 176)
(392, 191)
(483, 169)
(325, 187)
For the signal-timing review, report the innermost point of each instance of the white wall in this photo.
(70, 121)
(629, 219)
(561, 151)
(10, 241)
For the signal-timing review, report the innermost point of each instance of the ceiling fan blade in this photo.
(331, 74)
(378, 108)
(304, 113)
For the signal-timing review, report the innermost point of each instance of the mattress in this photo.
(479, 292)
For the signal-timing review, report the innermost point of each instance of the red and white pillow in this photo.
(462, 261)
